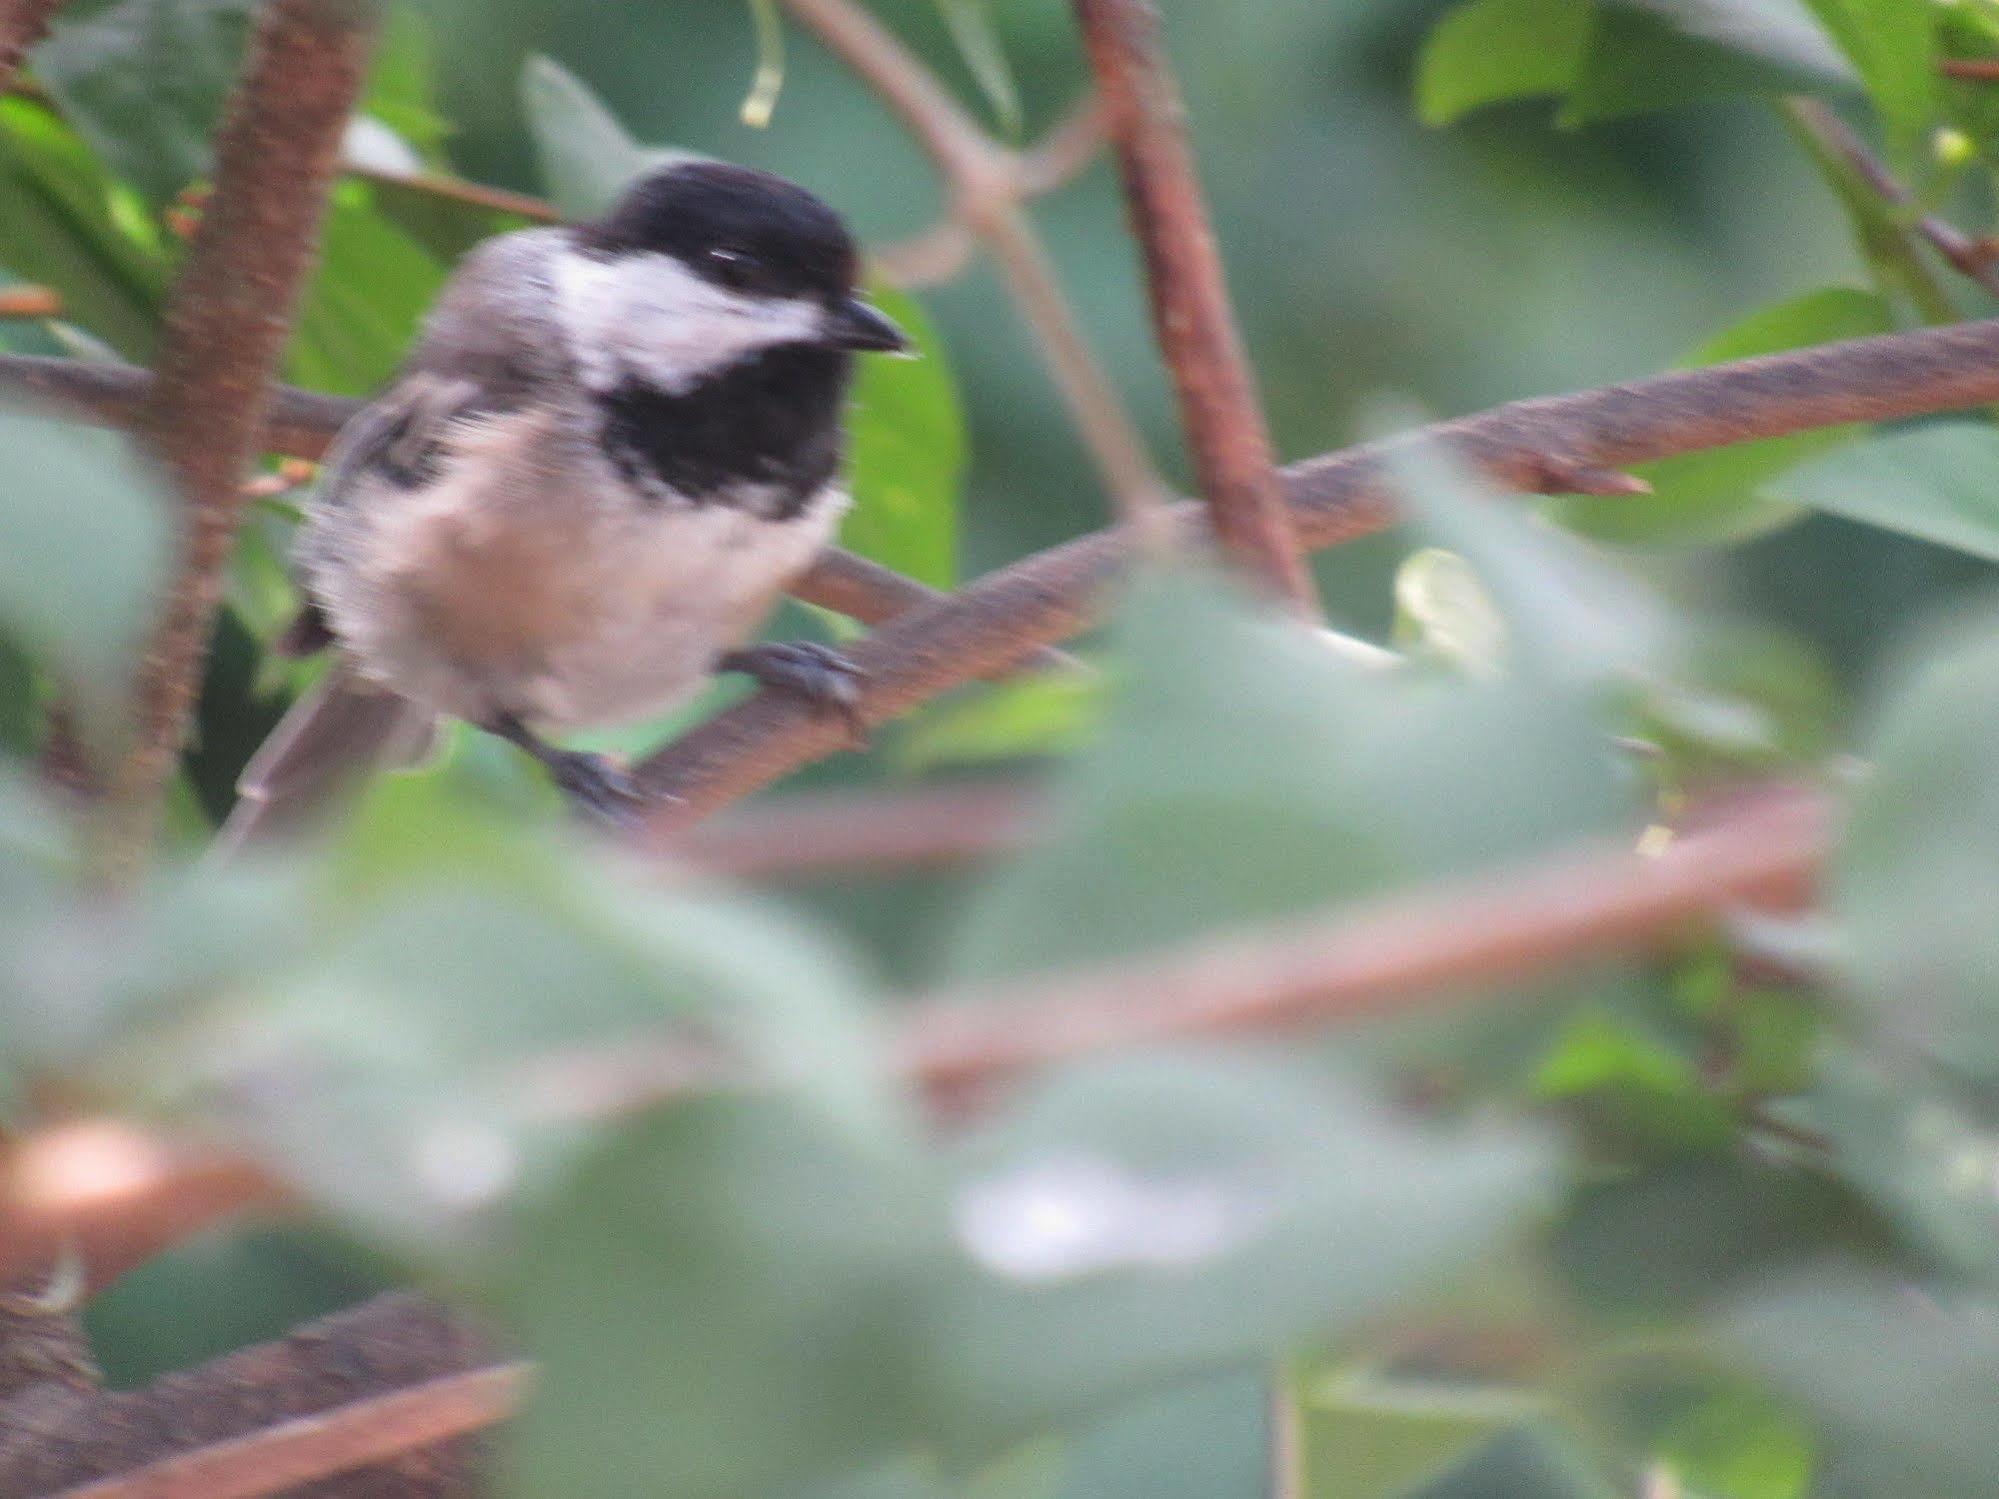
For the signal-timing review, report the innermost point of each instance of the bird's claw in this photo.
(597, 786)
(818, 673)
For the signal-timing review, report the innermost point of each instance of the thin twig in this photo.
(459, 190)
(22, 24)
(1220, 413)
(1971, 257)
(1973, 69)
(1433, 945)
(1536, 446)
(226, 327)
(987, 184)
(274, 1459)
(944, 249)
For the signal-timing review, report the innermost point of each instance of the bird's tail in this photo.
(336, 734)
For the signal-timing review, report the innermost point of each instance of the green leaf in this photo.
(1937, 482)
(586, 157)
(1728, 494)
(144, 82)
(86, 555)
(1900, 1375)
(1912, 876)
(1892, 45)
(1042, 713)
(370, 292)
(1366, 1437)
(1741, 1443)
(69, 227)
(401, 91)
(1488, 51)
(1148, 1218)
(972, 33)
(718, 1302)
(907, 438)
(1666, 54)
(1245, 771)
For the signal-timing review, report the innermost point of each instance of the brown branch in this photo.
(987, 185)
(303, 422)
(273, 1459)
(1969, 256)
(459, 190)
(420, 1374)
(1220, 413)
(1974, 69)
(231, 311)
(1534, 446)
(22, 24)
(30, 302)
(901, 829)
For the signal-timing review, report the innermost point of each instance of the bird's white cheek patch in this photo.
(650, 318)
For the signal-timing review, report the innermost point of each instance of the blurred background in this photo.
(1371, 258)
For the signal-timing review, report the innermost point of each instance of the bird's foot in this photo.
(599, 787)
(817, 673)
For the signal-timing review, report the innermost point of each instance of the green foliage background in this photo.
(1728, 1223)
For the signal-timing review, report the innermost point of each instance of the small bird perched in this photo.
(611, 449)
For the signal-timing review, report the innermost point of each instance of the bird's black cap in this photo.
(742, 228)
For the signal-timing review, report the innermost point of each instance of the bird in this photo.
(610, 448)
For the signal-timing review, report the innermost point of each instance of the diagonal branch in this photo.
(396, 1346)
(303, 422)
(1540, 446)
(1219, 410)
(275, 156)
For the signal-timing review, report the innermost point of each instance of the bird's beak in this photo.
(855, 326)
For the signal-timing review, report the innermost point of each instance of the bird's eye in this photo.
(735, 268)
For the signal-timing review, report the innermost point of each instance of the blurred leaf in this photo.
(1246, 772)
(1489, 51)
(1568, 612)
(144, 82)
(1529, 1460)
(1901, 1373)
(401, 91)
(1729, 494)
(1441, 608)
(972, 32)
(717, 1302)
(1742, 1444)
(86, 554)
(1926, 1157)
(369, 294)
(908, 454)
(1912, 879)
(586, 157)
(1136, 1220)
(69, 227)
(1938, 482)
(1892, 45)
(1663, 54)
(1372, 1438)
(1673, 1240)
(1042, 713)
